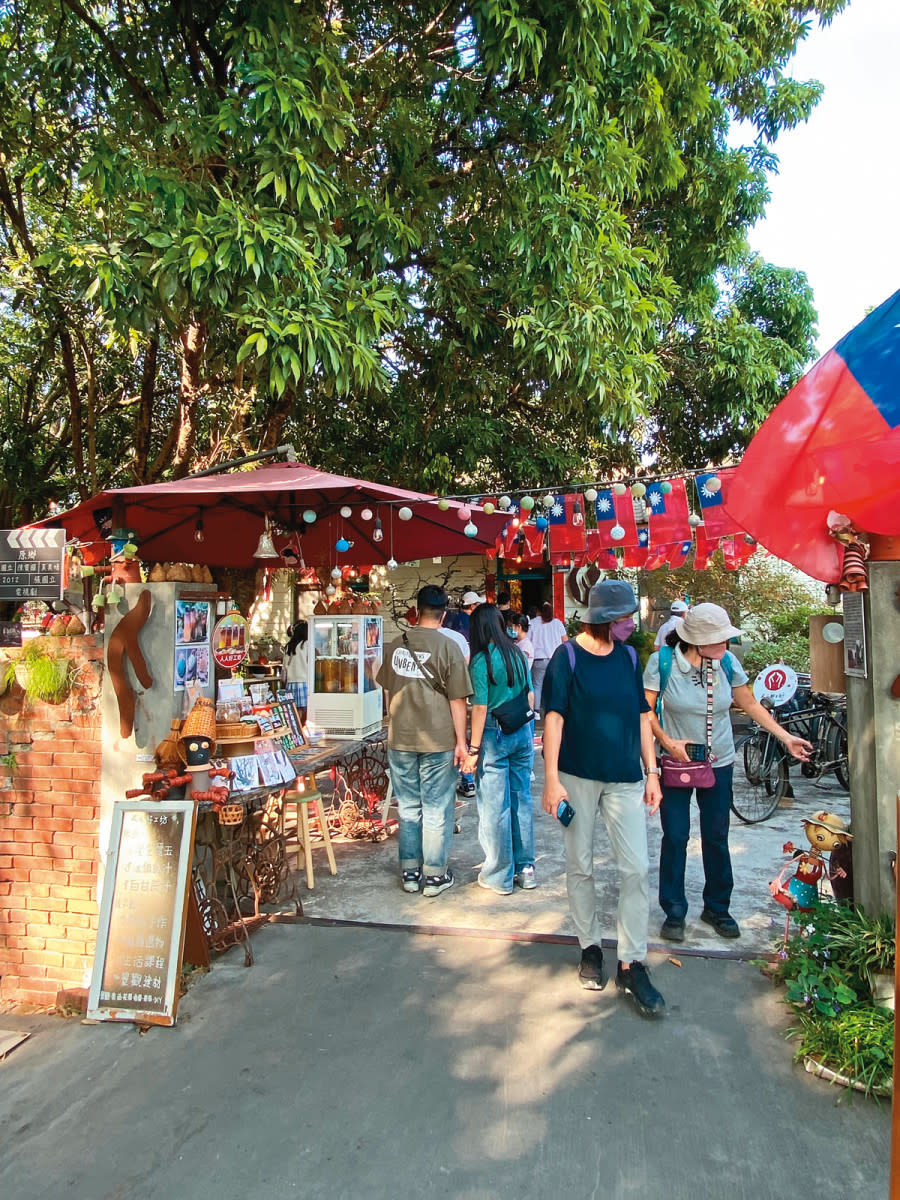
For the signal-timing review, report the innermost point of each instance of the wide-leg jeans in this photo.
(622, 806)
(675, 814)
(503, 790)
(425, 787)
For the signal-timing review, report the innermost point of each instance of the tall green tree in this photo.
(476, 240)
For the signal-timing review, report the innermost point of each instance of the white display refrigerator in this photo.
(344, 657)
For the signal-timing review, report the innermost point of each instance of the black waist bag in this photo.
(512, 714)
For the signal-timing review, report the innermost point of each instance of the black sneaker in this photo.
(672, 929)
(724, 925)
(636, 980)
(466, 789)
(435, 884)
(411, 880)
(590, 969)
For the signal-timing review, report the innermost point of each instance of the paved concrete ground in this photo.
(355, 1063)
(366, 887)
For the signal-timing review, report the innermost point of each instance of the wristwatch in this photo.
(653, 770)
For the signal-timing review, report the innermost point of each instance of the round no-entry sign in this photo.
(776, 684)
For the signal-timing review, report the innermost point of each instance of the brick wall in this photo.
(49, 826)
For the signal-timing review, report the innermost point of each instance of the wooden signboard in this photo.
(31, 564)
(143, 911)
(826, 659)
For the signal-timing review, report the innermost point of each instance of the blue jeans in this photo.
(503, 783)
(425, 787)
(675, 814)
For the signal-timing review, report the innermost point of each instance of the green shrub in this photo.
(857, 1043)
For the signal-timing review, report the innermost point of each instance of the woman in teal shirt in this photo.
(504, 760)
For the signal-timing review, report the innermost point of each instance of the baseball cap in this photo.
(472, 598)
(431, 596)
(678, 606)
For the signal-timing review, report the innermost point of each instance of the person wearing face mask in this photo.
(697, 681)
(596, 734)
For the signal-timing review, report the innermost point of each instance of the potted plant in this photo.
(42, 672)
(868, 945)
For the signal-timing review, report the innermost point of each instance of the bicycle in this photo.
(767, 763)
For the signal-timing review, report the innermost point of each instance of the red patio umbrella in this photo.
(232, 509)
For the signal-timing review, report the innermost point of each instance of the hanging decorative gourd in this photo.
(471, 530)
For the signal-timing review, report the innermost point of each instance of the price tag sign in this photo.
(230, 641)
(776, 684)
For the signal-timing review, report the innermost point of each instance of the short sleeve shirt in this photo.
(497, 693)
(601, 708)
(419, 714)
(684, 702)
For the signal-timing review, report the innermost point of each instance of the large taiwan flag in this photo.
(714, 504)
(611, 510)
(668, 513)
(832, 443)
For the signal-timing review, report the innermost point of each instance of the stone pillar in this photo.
(874, 743)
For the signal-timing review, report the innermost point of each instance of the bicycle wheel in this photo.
(766, 769)
(836, 753)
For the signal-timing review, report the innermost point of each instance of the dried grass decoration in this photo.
(167, 752)
(198, 734)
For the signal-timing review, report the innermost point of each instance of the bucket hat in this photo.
(828, 821)
(609, 600)
(705, 625)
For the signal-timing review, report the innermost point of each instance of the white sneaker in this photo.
(525, 879)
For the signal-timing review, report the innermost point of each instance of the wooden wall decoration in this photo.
(124, 640)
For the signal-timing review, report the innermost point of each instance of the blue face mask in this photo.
(512, 631)
(621, 631)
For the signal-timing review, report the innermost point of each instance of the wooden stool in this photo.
(306, 793)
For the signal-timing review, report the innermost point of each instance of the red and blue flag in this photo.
(832, 443)
(565, 533)
(668, 512)
(714, 504)
(611, 510)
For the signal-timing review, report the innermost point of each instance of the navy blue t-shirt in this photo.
(601, 709)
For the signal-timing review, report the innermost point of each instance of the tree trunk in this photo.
(193, 343)
(144, 426)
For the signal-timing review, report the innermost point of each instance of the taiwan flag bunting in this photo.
(668, 513)
(611, 510)
(636, 556)
(714, 505)
(678, 553)
(706, 547)
(657, 557)
(564, 533)
(531, 545)
(832, 443)
(596, 552)
(736, 552)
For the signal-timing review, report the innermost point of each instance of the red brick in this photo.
(79, 921)
(67, 758)
(14, 929)
(84, 866)
(18, 823)
(58, 928)
(5, 887)
(82, 906)
(71, 893)
(23, 942)
(53, 824)
(66, 945)
(63, 841)
(5, 861)
(32, 994)
(43, 876)
(45, 904)
(32, 971)
(83, 787)
(18, 915)
(20, 874)
(37, 808)
(13, 956)
(33, 758)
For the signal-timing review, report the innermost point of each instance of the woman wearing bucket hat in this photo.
(691, 684)
(596, 733)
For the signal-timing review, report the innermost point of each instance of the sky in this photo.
(835, 204)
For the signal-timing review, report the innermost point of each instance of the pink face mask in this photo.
(621, 631)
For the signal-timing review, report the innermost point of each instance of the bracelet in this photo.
(474, 749)
(653, 771)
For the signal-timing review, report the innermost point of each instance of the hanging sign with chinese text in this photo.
(137, 961)
(31, 564)
(230, 641)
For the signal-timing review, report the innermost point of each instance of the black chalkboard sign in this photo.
(142, 912)
(31, 564)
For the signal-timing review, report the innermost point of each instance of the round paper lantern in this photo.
(342, 545)
(693, 520)
(665, 487)
(335, 572)
(309, 515)
(713, 484)
(464, 512)
(331, 589)
(504, 502)
(366, 514)
(541, 523)
(638, 491)
(443, 504)
(471, 530)
(526, 503)
(405, 514)
(548, 501)
(619, 489)
(590, 494)
(489, 507)
(346, 511)
(617, 533)
(392, 564)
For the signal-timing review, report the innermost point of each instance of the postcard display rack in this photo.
(344, 699)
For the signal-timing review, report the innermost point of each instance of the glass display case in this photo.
(345, 655)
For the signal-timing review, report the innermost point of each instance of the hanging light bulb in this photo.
(346, 511)
(577, 514)
(590, 494)
(516, 522)
(377, 532)
(266, 547)
(198, 530)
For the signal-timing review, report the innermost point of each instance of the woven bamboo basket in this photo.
(231, 814)
(236, 729)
